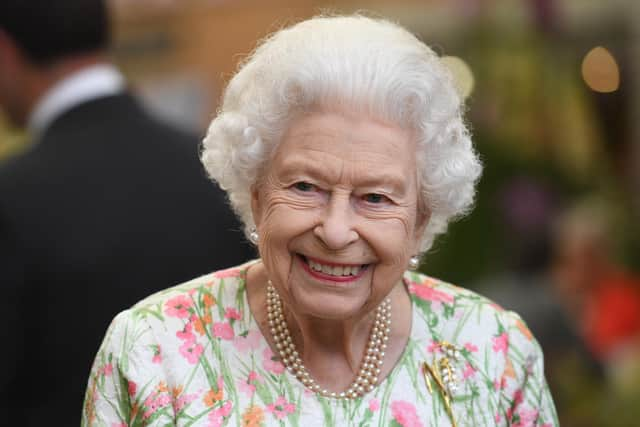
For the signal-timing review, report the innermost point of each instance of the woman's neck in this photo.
(332, 350)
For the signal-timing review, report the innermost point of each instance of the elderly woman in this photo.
(342, 147)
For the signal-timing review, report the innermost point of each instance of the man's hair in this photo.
(50, 30)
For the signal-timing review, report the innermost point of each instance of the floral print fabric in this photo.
(193, 355)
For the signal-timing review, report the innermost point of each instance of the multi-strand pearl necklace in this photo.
(369, 371)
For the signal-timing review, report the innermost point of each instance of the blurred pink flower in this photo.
(250, 341)
(469, 371)
(132, 387)
(528, 418)
(501, 343)
(186, 334)
(232, 313)
(405, 414)
(191, 351)
(281, 408)
(108, 369)
(471, 348)
(271, 363)
(374, 405)
(434, 346)
(157, 354)
(183, 400)
(230, 272)
(248, 387)
(222, 330)
(178, 306)
(426, 292)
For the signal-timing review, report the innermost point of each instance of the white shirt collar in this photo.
(84, 85)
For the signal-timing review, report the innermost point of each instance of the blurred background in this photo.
(553, 98)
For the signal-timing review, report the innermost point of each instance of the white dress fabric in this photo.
(193, 355)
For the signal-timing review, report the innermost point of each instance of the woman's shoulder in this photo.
(454, 312)
(219, 285)
(425, 288)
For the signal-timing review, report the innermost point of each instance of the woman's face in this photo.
(338, 215)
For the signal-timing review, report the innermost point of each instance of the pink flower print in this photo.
(108, 369)
(154, 402)
(248, 387)
(230, 272)
(132, 387)
(528, 418)
(471, 348)
(157, 356)
(118, 425)
(246, 341)
(186, 334)
(232, 313)
(405, 414)
(468, 371)
(498, 417)
(281, 408)
(191, 351)
(374, 405)
(178, 306)
(427, 292)
(517, 397)
(433, 347)
(500, 384)
(183, 400)
(271, 363)
(222, 330)
(215, 419)
(501, 343)
(225, 409)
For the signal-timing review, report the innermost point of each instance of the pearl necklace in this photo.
(367, 376)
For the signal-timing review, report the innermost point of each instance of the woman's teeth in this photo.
(335, 270)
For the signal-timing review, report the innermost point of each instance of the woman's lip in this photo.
(328, 277)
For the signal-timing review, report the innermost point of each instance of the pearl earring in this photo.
(414, 262)
(253, 236)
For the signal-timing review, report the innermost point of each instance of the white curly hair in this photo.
(370, 66)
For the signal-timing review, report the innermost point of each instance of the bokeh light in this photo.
(600, 70)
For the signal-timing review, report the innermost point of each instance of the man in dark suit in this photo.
(107, 206)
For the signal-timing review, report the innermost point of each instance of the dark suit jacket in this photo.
(107, 208)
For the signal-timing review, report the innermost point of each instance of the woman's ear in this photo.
(422, 220)
(256, 205)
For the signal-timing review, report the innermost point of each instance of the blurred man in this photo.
(107, 206)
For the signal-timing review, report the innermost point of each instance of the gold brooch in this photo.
(444, 374)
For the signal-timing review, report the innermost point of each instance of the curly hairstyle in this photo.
(366, 65)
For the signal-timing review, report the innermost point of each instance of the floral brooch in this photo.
(443, 372)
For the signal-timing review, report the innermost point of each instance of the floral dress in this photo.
(193, 355)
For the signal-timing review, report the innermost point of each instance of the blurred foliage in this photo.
(533, 118)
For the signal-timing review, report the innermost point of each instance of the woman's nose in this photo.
(336, 228)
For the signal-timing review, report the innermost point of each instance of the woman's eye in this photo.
(375, 198)
(304, 186)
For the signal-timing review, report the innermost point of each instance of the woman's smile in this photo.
(332, 271)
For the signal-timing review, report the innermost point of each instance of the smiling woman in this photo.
(342, 147)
